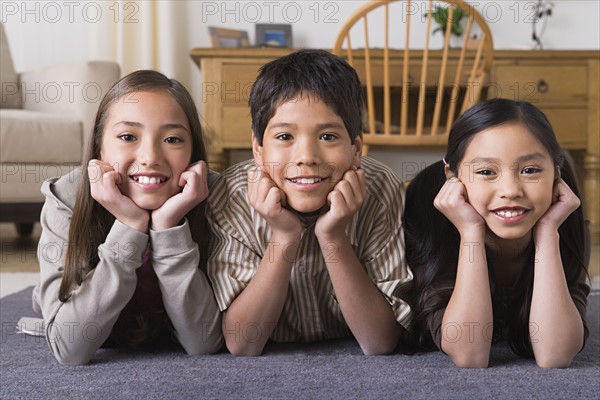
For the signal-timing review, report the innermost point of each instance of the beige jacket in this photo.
(77, 328)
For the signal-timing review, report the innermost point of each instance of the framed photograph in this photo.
(274, 35)
(230, 38)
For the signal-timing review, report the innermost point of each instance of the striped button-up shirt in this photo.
(310, 311)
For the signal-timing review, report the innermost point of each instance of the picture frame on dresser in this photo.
(274, 35)
(228, 38)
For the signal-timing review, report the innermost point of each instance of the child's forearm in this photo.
(366, 311)
(186, 293)
(258, 307)
(79, 326)
(555, 325)
(467, 325)
(193, 310)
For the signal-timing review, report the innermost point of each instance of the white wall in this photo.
(46, 32)
(573, 25)
(49, 32)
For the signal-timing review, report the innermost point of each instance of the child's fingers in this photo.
(272, 198)
(97, 171)
(104, 189)
(198, 168)
(451, 195)
(195, 187)
(258, 189)
(335, 200)
(564, 194)
(115, 178)
(351, 178)
(564, 203)
(362, 180)
(348, 197)
(195, 175)
(356, 178)
(97, 168)
(256, 175)
(253, 176)
(283, 198)
(198, 165)
(109, 181)
(349, 185)
(561, 188)
(442, 195)
(186, 179)
(263, 188)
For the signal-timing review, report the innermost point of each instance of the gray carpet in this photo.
(330, 370)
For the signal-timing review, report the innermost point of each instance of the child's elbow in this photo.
(204, 347)
(378, 349)
(243, 349)
(71, 355)
(556, 356)
(470, 360)
(72, 358)
(553, 361)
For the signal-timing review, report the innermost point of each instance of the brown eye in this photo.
(173, 140)
(530, 170)
(127, 137)
(284, 136)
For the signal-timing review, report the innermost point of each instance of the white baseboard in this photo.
(12, 282)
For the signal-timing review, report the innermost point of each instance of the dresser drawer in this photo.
(570, 126)
(237, 127)
(237, 82)
(536, 83)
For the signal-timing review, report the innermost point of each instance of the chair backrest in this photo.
(414, 92)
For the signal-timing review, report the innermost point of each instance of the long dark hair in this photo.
(91, 223)
(432, 241)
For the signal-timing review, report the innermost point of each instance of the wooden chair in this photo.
(414, 92)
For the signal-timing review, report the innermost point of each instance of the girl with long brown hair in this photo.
(124, 239)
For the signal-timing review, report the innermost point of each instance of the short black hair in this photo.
(316, 72)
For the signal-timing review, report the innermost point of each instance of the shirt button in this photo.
(302, 268)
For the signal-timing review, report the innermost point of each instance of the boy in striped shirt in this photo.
(308, 242)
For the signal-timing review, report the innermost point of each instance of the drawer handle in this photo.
(542, 86)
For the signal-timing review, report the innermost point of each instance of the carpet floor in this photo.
(329, 370)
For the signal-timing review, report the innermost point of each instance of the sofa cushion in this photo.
(35, 137)
(9, 79)
(22, 183)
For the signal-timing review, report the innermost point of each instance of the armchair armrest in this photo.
(73, 89)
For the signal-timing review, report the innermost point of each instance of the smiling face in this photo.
(509, 177)
(306, 150)
(147, 139)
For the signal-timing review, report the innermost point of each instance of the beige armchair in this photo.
(46, 117)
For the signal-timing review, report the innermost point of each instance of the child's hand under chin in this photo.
(194, 184)
(103, 188)
(270, 202)
(344, 201)
(453, 203)
(564, 202)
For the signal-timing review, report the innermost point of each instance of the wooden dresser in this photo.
(564, 84)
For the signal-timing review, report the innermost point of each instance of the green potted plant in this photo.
(440, 17)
